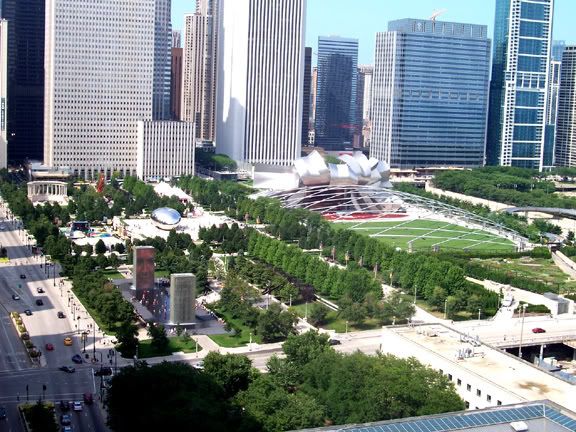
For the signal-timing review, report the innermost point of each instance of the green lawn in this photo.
(177, 344)
(235, 340)
(539, 269)
(162, 274)
(424, 234)
(113, 274)
(333, 321)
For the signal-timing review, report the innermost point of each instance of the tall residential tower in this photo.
(430, 94)
(566, 118)
(520, 84)
(260, 80)
(199, 68)
(162, 60)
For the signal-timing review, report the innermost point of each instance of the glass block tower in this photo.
(520, 84)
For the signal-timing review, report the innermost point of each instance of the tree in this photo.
(126, 336)
(232, 372)
(274, 324)
(159, 338)
(302, 349)
(354, 312)
(317, 314)
(171, 396)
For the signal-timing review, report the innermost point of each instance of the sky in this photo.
(366, 17)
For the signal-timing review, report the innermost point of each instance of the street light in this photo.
(524, 306)
(446, 309)
(479, 311)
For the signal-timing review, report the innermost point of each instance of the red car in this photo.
(538, 330)
(49, 347)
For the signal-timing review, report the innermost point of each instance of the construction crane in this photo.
(437, 13)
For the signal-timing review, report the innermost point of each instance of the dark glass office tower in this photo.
(520, 81)
(25, 78)
(336, 92)
(306, 103)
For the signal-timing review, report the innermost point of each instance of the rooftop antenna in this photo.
(437, 13)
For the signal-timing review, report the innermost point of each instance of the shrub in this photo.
(21, 329)
(537, 309)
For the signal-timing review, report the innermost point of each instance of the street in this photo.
(17, 372)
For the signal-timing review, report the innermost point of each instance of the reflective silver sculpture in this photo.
(356, 169)
(166, 218)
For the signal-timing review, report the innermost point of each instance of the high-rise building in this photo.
(306, 102)
(363, 101)
(430, 94)
(336, 119)
(165, 149)
(3, 92)
(25, 114)
(520, 84)
(162, 60)
(176, 39)
(313, 92)
(199, 68)
(176, 83)
(558, 47)
(260, 80)
(566, 118)
(99, 81)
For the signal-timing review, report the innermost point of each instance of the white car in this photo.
(199, 365)
(77, 406)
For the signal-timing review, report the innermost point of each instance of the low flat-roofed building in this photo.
(483, 376)
(536, 416)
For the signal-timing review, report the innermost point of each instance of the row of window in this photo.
(469, 388)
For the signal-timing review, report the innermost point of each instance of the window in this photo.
(459, 381)
(488, 398)
(498, 403)
(467, 404)
(450, 377)
(468, 387)
(478, 392)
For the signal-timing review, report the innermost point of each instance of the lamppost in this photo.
(446, 309)
(94, 339)
(346, 327)
(54, 280)
(249, 343)
(524, 306)
(479, 311)
(415, 294)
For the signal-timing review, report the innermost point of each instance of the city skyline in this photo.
(374, 15)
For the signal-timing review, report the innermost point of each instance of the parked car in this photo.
(39, 290)
(15, 297)
(61, 314)
(64, 405)
(77, 358)
(77, 406)
(67, 428)
(538, 330)
(49, 347)
(68, 341)
(88, 398)
(28, 312)
(39, 302)
(332, 342)
(199, 365)
(2, 413)
(22, 276)
(68, 369)
(65, 420)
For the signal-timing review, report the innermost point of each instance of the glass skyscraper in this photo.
(430, 94)
(336, 119)
(520, 84)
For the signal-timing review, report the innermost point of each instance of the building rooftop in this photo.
(536, 416)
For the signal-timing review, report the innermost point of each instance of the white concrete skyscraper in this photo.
(99, 69)
(199, 68)
(260, 80)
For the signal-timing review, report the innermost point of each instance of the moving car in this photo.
(49, 347)
(15, 297)
(39, 302)
(538, 330)
(77, 358)
(199, 365)
(68, 369)
(67, 428)
(77, 406)
(68, 341)
(332, 342)
(22, 276)
(65, 420)
(39, 290)
(28, 312)
(61, 314)
(2, 413)
(64, 405)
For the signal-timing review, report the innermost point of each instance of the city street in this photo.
(16, 370)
